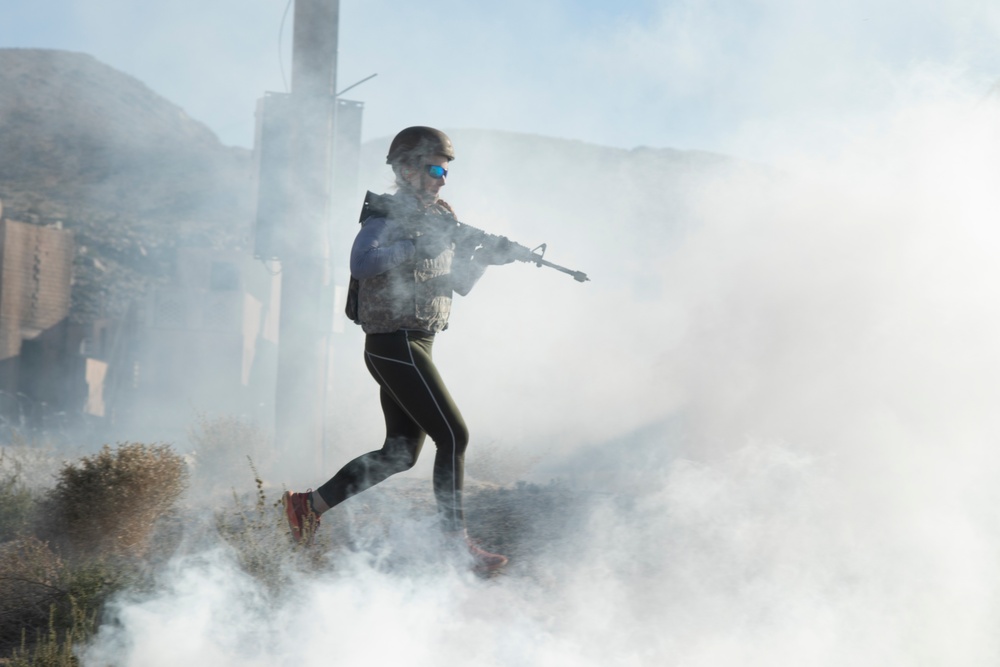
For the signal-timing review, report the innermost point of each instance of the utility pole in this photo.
(304, 322)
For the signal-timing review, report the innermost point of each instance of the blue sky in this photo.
(749, 78)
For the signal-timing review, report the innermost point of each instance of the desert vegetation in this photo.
(65, 549)
(75, 532)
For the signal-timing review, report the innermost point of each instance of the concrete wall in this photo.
(35, 279)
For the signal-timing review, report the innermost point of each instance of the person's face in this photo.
(420, 178)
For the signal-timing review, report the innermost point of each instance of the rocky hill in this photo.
(96, 151)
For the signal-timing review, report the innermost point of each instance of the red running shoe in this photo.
(302, 520)
(483, 562)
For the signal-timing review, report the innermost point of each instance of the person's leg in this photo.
(403, 441)
(409, 375)
(415, 402)
(417, 386)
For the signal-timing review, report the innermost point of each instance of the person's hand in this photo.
(430, 245)
(499, 251)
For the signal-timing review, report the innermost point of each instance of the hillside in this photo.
(81, 133)
(95, 150)
(134, 177)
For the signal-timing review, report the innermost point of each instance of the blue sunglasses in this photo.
(436, 171)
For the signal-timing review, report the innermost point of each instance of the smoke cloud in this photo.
(772, 412)
(770, 417)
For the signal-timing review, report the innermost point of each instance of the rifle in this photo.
(500, 247)
(469, 237)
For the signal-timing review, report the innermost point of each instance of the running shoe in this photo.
(302, 520)
(484, 562)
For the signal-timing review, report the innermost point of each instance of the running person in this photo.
(407, 275)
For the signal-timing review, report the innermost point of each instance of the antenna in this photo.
(355, 85)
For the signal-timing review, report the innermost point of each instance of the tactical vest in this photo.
(414, 295)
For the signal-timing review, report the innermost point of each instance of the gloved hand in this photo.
(499, 251)
(430, 245)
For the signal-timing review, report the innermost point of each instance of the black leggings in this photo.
(415, 403)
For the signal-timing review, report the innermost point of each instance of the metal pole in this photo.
(303, 323)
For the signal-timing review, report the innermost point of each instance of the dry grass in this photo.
(108, 503)
(56, 647)
(30, 577)
(62, 553)
(255, 528)
(98, 535)
(48, 604)
(17, 502)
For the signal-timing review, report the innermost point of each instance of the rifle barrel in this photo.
(578, 276)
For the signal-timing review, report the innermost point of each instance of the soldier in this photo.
(406, 275)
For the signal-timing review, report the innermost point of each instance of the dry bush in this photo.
(258, 535)
(17, 502)
(30, 576)
(221, 447)
(108, 503)
(48, 605)
(100, 519)
(55, 647)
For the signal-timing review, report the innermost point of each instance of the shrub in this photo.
(48, 604)
(258, 536)
(16, 500)
(56, 647)
(29, 584)
(101, 514)
(108, 503)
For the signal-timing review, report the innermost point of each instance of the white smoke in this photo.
(783, 451)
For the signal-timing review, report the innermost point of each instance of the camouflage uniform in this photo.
(407, 274)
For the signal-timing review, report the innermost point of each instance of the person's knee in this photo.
(457, 437)
(403, 461)
(400, 454)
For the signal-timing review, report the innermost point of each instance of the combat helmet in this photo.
(411, 144)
